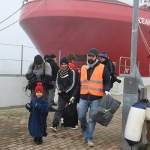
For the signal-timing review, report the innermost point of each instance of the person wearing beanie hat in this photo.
(39, 88)
(92, 58)
(93, 84)
(52, 61)
(39, 71)
(65, 83)
(64, 60)
(38, 108)
(103, 55)
(53, 56)
(104, 59)
(46, 57)
(65, 116)
(93, 51)
(38, 60)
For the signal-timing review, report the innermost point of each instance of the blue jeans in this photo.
(87, 127)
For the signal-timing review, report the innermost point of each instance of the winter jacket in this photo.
(110, 66)
(66, 83)
(54, 67)
(42, 74)
(38, 117)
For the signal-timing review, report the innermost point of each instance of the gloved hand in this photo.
(28, 106)
(71, 100)
(107, 93)
(61, 92)
(29, 76)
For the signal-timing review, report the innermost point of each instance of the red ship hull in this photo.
(76, 26)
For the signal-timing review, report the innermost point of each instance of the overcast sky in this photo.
(15, 35)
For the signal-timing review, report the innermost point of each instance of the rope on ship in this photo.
(24, 15)
(144, 40)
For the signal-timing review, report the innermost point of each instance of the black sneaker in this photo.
(54, 104)
(39, 140)
(119, 81)
(54, 128)
(35, 139)
(51, 109)
(74, 127)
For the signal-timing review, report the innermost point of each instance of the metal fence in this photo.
(15, 59)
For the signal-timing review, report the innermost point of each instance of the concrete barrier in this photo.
(12, 90)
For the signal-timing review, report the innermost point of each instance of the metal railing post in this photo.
(21, 59)
(59, 57)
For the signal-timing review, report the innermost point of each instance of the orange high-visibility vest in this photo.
(94, 86)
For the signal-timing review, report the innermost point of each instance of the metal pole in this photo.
(134, 37)
(21, 58)
(130, 93)
(59, 57)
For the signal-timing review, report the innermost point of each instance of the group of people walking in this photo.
(81, 91)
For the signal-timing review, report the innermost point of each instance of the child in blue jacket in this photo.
(38, 108)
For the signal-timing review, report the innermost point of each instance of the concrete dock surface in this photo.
(14, 134)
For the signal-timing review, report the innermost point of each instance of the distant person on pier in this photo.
(104, 59)
(65, 83)
(39, 71)
(38, 108)
(52, 61)
(93, 84)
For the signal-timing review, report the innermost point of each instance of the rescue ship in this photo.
(64, 26)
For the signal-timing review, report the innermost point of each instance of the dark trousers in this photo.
(60, 110)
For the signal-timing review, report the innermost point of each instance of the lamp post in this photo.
(134, 83)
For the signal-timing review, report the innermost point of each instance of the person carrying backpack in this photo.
(70, 115)
(39, 71)
(65, 83)
(104, 59)
(52, 61)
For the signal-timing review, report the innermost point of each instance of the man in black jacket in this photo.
(104, 59)
(65, 83)
(52, 61)
(93, 84)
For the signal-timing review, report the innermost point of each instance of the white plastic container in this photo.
(135, 121)
(148, 111)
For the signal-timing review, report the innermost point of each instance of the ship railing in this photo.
(126, 67)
